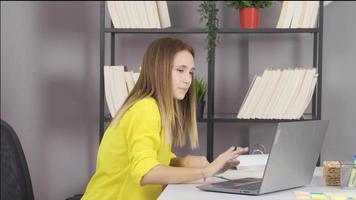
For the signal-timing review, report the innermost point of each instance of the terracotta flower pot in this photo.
(249, 17)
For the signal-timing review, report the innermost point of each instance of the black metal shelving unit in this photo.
(210, 119)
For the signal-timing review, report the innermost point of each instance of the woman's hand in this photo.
(224, 161)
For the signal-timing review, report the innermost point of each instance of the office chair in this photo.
(15, 177)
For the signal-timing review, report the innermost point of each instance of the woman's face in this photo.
(182, 73)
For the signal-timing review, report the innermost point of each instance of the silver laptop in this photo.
(291, 163)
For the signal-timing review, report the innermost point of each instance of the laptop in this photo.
(291, 163)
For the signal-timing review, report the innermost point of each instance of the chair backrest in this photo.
(15, 177)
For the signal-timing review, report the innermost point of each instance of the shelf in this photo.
(203, 30)
(108, 118)
(231, 118)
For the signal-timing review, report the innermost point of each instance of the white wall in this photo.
(50, 81)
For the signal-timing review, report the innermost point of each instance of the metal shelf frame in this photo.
(210, 119)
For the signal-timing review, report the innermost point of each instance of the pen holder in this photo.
(340, 173)
(331, 173)
(347, 175)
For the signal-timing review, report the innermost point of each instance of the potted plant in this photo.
(249, 11)
(200, 90)
(209, 14)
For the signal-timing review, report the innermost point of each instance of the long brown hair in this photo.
(178, 116)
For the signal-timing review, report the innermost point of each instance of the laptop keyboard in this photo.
(246, 184)
(251, 186)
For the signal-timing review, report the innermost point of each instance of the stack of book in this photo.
(118, 84)
(279, 94)
(298, 14)
(139, 14)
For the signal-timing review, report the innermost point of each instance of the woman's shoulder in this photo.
(145, 104)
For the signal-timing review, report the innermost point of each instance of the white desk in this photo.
(189, 191)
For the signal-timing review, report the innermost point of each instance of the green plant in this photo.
(248, 4)
(200, 89)
(209, 14)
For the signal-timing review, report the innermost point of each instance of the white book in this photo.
(272, 84)
(298, 10)
(247, 98)
(247, 105)
(108, 89)
(314, 14)
(163, 14)
(137, 15)
(303, 94)
(122, 13)
(119, 91)
(273, 113)
(135, 76)
(282, 15)
(307, 14)
(152, 13)
(283, 94)
(260, 90)
(287, 93)
(298, 74)
(303, 14)
(289, 14)
(266, 80)
(130, 83)
(257, 96)
(141, 11)
(113, 14)
(311, 89)
(131, 13)
(267, 113)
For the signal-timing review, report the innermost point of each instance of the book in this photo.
(279, 94)
(119, 89)
(282, 15)
(298, 14)
(272, 78)
(247, 98)
(289, 14)
(152, 14)
(314, 14)
(108, 89)
(251, 96)
(122, 14)
(139, 14)
(130, 83)
(163, 14)
(142, 15)
(259, 92)
(114, 15)
(297, 109)
(288, 114)
(276, 78)
(136, 75)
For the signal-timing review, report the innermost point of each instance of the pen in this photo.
(235, 166)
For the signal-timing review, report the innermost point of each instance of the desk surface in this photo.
(189, 191)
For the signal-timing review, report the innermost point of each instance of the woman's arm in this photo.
(189, 161)
(162, 174)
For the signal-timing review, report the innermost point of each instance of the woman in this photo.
(134, 158)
